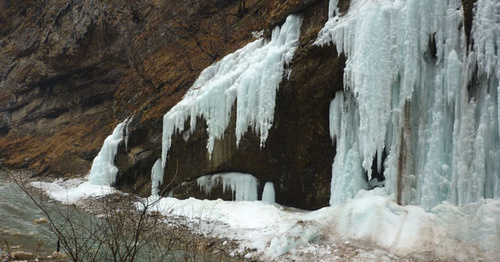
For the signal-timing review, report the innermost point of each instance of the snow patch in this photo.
(74, 190)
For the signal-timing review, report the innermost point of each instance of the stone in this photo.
(22, 255)
(40, 221)
(58, 255)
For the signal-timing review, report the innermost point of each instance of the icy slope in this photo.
(370, 217)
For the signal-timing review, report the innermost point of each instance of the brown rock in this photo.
(22, 255)
(40, 221)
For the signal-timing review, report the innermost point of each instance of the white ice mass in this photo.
(100, 179)
(103, 171)
(410, 88)
(156, 178)
(248, 78)
(268, 193)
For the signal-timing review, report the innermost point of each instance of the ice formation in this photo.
(243, 186)
(103, 171)
(248, 77)
(346, 169)
(268, 194)
(411, 90)
(156, 178)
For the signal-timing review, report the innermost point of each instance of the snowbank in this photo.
(447, 232)
(74, 190)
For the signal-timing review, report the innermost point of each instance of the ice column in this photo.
(347, 170)
(156, 177)
(268, 194)
(103, 171)
(250, 76)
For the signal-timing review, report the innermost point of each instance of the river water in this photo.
(17, 213)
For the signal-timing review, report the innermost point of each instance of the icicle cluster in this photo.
(243, 186)
(103, 171)
(250, 76)
(411, 90)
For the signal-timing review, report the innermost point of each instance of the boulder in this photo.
(22, 255)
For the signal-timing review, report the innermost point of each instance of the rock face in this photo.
(70, 70)
(59, 70)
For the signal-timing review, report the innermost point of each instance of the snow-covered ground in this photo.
(371, 220)
(371, 226)
(73, 190)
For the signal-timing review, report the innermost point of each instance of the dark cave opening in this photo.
(377, 176)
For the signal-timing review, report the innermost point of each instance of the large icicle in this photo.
(347, 170)
(408, 71)
(156, 178)
(243, 186)
(250, 76)
(103, 171)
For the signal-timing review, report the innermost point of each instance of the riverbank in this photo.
(226, 230)
(181, 238)
(370, 227)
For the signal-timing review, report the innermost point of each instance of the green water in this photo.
(17, 213)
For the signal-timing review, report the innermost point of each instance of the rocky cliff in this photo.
(71, 69)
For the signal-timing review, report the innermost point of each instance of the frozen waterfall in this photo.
(248, 77)
(103, 171)
(411, 89)
(156, 178)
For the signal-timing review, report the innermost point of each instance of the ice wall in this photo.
(411, 89)
(243, 186)
(103, 171)
(250, 76)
